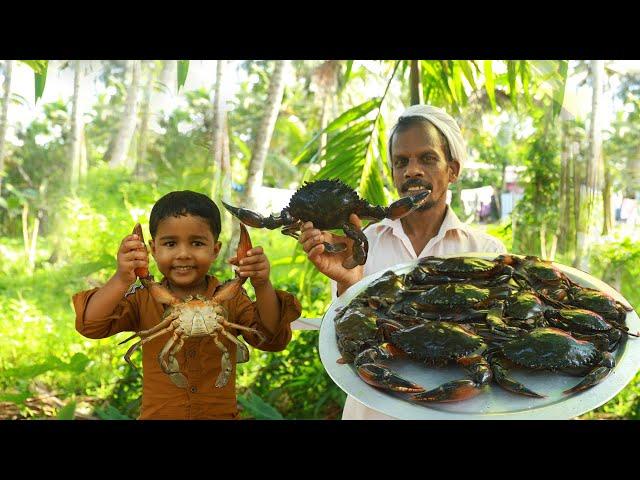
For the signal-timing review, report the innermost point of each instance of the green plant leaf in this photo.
(511, 73)
(525, 76)
(78, 362)
(183, 69)
(355, 113)
(346, 76)
(110, 413)
(558, 92)
(489, 83)
(17, 398)
(258, 408)
(465, 66)
(40, 81)
(67, 412)
(38, 66)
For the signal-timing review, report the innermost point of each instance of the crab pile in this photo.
(488, 316)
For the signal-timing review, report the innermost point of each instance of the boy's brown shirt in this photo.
(199, 358)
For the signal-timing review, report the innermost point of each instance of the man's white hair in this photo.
(443, 122)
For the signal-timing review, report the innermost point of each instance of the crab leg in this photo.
(227, 323)
(168, 362)
(163, 324)
(596, 375)
(242, 353)
(501, 374)
(225, 363)
(456, 390)
(360, 246)
(254, 219)
(142, 341)
(498, 326)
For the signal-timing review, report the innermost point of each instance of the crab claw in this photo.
(251, 218)
(141, 272)
(450, 392)
(501, 374)
(406, 205)
(462, 389)
(596, 375)
(380, 376)
(232, 287)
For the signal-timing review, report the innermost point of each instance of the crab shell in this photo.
(326, 203)
(453, 296)
(437, 343)
(465, 267)
(550, 349)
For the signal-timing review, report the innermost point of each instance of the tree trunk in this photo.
(128, 124)
(593, 166)
(141, 154)
(265, 131)
(607, 221)
(76, 127)
(414, 82)
(3, 115)
(217, 135)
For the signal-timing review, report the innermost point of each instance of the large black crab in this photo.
(328, 204)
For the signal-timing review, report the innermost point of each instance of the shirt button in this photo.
(194, 389)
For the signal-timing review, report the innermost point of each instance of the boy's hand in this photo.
(255, 266)
(131, 255)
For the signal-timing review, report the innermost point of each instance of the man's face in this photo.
(419, 161)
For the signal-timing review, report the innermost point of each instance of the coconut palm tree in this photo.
(3, 114)
(265, 131)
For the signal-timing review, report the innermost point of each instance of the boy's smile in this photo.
(184, 248)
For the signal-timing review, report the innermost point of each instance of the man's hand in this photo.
(132, 254)
(255, 266)
(330, 264)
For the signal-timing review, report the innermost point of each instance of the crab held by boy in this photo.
(328, 204)
(193, 317)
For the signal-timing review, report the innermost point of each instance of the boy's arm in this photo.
(275, 309)
(268, 306)
(105, 300)
(96, 310)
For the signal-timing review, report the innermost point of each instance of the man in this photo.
(426, 151)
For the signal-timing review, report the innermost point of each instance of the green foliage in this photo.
(80, 231)
(536, 215)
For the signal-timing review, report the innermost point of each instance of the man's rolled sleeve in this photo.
(122, 319)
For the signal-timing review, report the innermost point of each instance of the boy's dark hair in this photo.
(182, 203)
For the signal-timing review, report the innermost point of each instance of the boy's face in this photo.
(184, 248)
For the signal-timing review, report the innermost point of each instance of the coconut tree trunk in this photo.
(128, 124)
(593, 166)
(414, 82)
(76, 127)
(265, 131)
(607, 221)
(141, 153)
(3, 115)
(217, 137)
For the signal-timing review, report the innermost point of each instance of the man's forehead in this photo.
(421, 134)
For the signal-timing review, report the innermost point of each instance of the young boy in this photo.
(184, 228)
